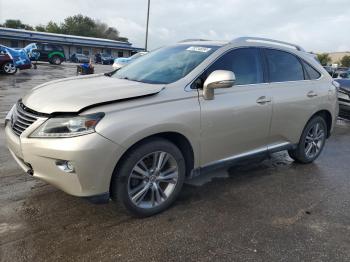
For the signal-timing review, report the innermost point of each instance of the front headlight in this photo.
(68, 126)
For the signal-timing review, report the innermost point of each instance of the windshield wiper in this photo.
(127, 78)
(111, 73)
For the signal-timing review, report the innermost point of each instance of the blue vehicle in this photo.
(122, 61)
(13, 59)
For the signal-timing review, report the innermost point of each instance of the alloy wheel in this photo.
(56, 60)
(153, 179)
(314, 140)
(9, 68)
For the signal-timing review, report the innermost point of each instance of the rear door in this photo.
(237, 120)
(295, 92)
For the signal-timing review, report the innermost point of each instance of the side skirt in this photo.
(260, 153)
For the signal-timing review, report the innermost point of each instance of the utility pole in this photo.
(146, 41)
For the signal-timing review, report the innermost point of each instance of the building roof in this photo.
(34, 36)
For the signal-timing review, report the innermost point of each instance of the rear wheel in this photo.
(56, 60)
(311, 142)
(149, 178)
(9, 68)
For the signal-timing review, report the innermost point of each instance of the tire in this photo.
(311, 142)
(9, 68)
(154, 191)
(55, 60)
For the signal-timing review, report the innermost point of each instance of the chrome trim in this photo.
(189, 89)
(21, 119)
(276, 146)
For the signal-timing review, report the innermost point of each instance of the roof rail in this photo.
(266, 40)
(192, 40)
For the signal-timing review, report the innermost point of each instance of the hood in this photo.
(75, 93)
(344, 84)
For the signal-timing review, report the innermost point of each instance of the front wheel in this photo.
(149, 178)
(312, 141)
(9, 68)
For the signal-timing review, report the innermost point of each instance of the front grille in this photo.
(22, 118)
(344, 112)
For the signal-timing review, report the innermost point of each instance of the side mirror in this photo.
(217, 79)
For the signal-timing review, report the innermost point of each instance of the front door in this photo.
(237, 121)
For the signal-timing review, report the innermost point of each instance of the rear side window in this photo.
(244, 62)
(283, 66)
(48, 47)
(311, 73)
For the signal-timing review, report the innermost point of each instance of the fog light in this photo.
(65, 166)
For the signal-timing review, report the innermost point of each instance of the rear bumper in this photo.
(93, 156)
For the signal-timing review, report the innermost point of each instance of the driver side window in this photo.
(244, 63)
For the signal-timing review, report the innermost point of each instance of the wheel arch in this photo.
(327, 116)
(178, 139)
(57, 53)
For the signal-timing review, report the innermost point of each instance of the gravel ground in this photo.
(274, 210)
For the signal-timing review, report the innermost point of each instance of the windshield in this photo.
(166, 65)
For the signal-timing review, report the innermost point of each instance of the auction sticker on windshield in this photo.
(199, 49)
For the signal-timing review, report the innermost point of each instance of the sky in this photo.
(317, 25)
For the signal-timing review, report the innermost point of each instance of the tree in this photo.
(40, 28)
(52, 27)
(86, 26)
(79, 25)
(345, 61)
(324, 58)
(109, 32)
(17, 24)
(73, 25)
(12, 23)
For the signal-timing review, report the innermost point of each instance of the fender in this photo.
(56, 53)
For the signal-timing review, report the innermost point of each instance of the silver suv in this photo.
(136, 135)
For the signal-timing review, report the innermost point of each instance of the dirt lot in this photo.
(273, 210)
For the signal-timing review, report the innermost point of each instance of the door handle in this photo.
(311, 94)
(263, 100)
